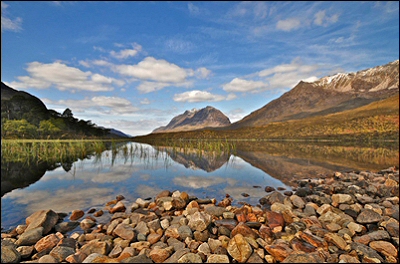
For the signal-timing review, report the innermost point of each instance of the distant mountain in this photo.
(118, 133)
(196, 119)
(327, 95)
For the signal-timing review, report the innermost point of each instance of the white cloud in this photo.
(154, 70)
(241, 85)
(203, 73)
(123, 54)
(180, 46)
(7, 23)
(288, 75)
(109, 105)
(288, 24)
(63, 77)
(148, 87)
(198, 96)
(321, 19)
(145, 101)
(84, 63)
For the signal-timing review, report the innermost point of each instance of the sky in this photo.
(133, 66)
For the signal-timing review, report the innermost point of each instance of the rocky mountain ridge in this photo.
(196, 119)
(330, 94)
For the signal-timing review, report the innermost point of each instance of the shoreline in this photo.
(345, 217)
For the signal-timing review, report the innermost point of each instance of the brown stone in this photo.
(239, 248)
(124, 231)
(275, 220)
(47, 242)
(44, 218)
(300, 245)
(244, 230)
(279, 251)
(336, 240)
(384, 248)
(158, 255)
(76, 214)
(119, 207)
(313, 240)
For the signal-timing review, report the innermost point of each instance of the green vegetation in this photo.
(58, 125)
(52, 150)
(378, 121)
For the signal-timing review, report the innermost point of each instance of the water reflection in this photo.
(140, 170)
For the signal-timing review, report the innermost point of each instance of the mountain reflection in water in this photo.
(141, 171)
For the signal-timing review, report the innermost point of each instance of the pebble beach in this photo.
(343, 217)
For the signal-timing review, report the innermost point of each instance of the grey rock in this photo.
(30, 237)
(368, 216)
(9, 253)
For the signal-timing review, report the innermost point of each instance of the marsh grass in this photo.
(51, 150)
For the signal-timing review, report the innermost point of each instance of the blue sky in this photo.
(133, 66)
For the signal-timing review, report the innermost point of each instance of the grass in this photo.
(51, 150)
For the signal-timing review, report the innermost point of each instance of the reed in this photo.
(51, 150)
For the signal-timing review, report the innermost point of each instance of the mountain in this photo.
(118, 133)
(18, 105)
(331, 94)
(195, 119)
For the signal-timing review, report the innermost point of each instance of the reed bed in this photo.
(51, 150)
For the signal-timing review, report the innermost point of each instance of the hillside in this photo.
(377, 120)
(26, 116)
(196, 119)
(331, 94)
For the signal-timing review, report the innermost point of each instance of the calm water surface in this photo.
(145, 171)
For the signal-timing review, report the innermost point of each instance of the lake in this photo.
(138, 170)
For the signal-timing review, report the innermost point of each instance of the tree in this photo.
(20, 128)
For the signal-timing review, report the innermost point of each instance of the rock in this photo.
(48, 259)
(66, 227)
(215, 210)
(341, 198)
(9, 254)
(393, 229)
(244, 230)
(178, 203)
(384, 248)
(158, 255)
(269, 189)
(141, 228)
(86, 224)
(97, 258)
(275, 221)
(46, 243)
(190, 258)
(119, 207)
(279, 251)
(336, 240)
(297, 201)
(239, 248)
(184, 232)
(142, 258)
(368, 216)
(124, 231)
(25, 251)
(61, 253)
(95, 246)
(302, 258)
(199, 221)
(365, 252)
(216, 258)
(76, 214)
(30, 237)
(44, 218)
